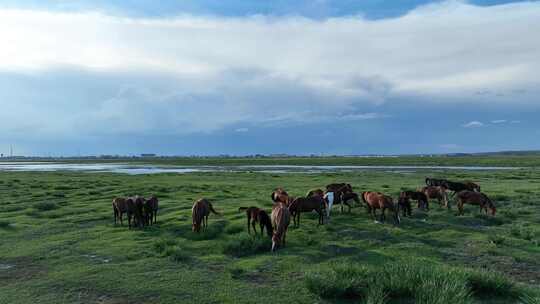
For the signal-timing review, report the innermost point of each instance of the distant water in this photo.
(152, 169)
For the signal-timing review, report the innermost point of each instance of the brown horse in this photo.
(472, 186)
(339, 187)
(315, 193)
(153, 205)
(419, 197)
(377, 200)
(200, 211)
(404, 204)
(307, 204)
(134, 209)
(344, 199)
(475, 198)
(280, 195)
(281, 218)
(119, 208)
(256, 215)
(436, 192)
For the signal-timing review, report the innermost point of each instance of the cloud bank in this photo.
(89, 74)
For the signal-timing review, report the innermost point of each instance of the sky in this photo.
(239, 77)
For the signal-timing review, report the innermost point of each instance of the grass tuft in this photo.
(244, 245)
(45, 206)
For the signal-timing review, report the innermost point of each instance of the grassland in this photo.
(58, 243)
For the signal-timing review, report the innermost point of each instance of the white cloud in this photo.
(89, 73)
(473, 124)
(499, 121)
(242, 130)
(515, 121)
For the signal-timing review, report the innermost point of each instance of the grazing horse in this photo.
(434, 182)
(280, 195)
(475, 198)
(147, 213)
(472, 186)
(256, 215)
(200, 211)
(456, 187)
(281, 218)
(377, 200)
(437, 192)
(316, 193)
(135, 210)
(417, 196)
(153, 205)
(404, 204)
(339, 188)
(119, 208)
(344, 199)
(307, 204)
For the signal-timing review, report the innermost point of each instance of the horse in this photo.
(339, 188)
(344, 199)
(437, 192)
(417, 196)
(315, 193)
(153, 204)
(280, 195)
(135, 210)
(256, 215)
(199, 212)
(119, 206)
(475, 198)
(377, 200)
(404, 204)
(307, 204)
(434, 182)
(281, 218)
(472, 186)
(147, 213)
(457, 187)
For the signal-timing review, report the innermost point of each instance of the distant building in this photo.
(148, 155)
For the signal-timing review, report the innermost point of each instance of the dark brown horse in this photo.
(345, 198)
(200, 211)
(281, 218)
(475, 198)
(419, 197)
(377, 200)
(472, 186)
(339, 188)
(315, 193)
(434, 182)
(307, 204)
(153, 205)
(135, 207)
(280, 195)
(404, 204)
(256, 215)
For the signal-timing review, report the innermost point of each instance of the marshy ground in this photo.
(58, 243)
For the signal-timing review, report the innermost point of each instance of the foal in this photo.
(256, 215)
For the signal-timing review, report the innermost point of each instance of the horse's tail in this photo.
(212, 209)
(273, 196)
(242, 209)
(195, 216)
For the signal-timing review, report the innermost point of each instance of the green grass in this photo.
(59, 244)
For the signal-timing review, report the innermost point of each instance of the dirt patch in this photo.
(21, 268)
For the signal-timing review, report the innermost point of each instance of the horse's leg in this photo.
(129, 219)
(383, 215)
(427, 205)
(298, 214)
(253, 225)
(121, 215)
(341, 207)
(249, 223)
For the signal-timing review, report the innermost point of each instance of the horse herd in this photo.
(144, 211)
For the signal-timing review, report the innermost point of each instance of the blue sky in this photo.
(244, 77)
